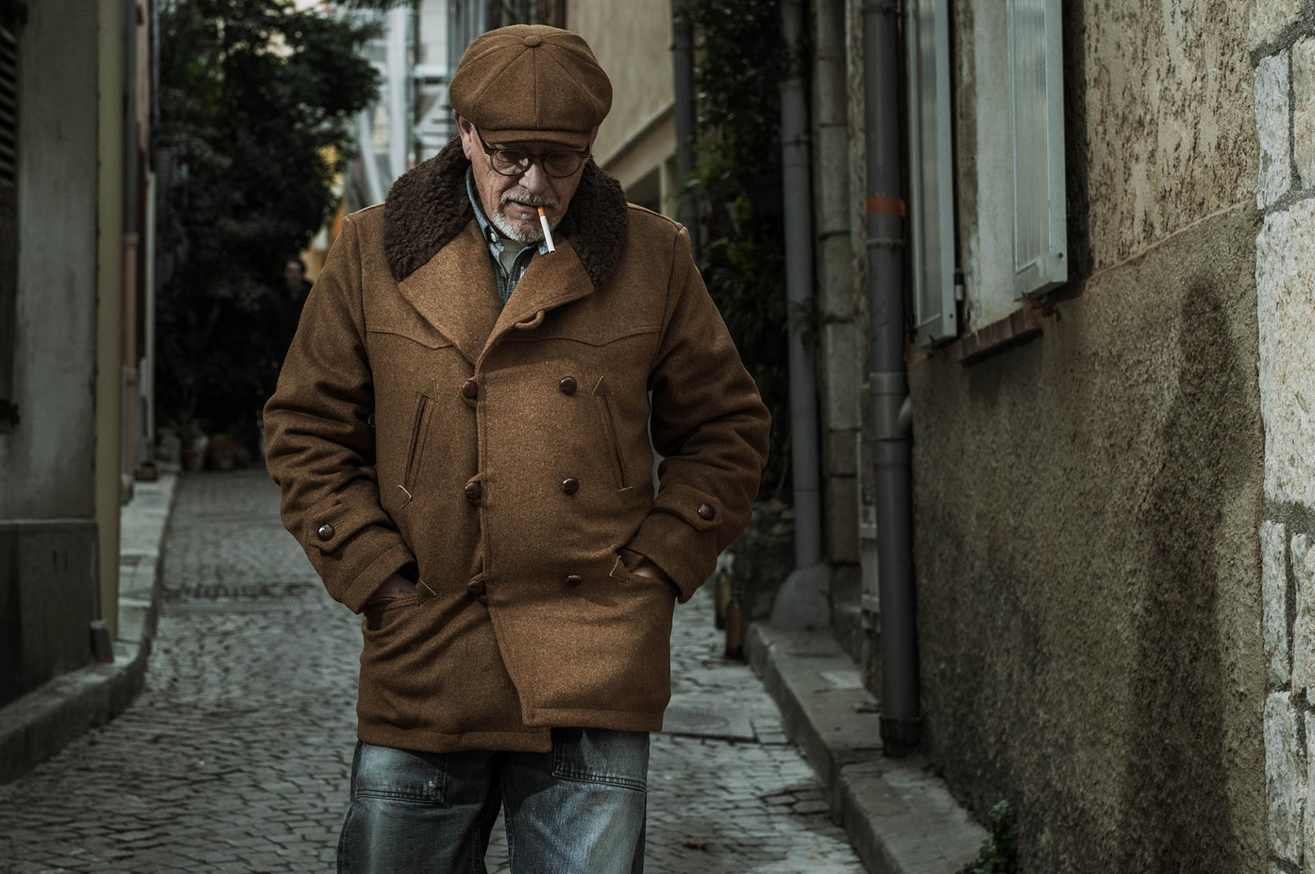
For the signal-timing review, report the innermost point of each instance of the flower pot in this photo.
(223, 454)
(193, 458)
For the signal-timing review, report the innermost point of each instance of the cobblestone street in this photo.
(235, 757)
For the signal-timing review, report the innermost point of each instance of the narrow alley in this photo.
(235, 758)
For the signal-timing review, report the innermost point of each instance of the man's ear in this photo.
(467, 132)
(593, 136)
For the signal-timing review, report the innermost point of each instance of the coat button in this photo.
(473, 491)
(574, 579)
(567, 385)
(470, 389)
(706, 512)
(325, 531)
(570, 485)
(475, 587)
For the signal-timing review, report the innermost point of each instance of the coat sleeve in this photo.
(711, 427)
(319, 442)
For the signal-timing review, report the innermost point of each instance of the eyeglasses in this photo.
(514, 162)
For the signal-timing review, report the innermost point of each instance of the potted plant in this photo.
(223, 451)
(194, 451)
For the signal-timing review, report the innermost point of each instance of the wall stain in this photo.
(1176, 803)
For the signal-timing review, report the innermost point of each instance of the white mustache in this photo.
(527, 199)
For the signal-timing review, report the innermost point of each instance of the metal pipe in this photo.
(798, 219)
(399, 93)
(682, 62)
(901, 723)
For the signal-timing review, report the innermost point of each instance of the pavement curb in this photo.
(900, 817)
(41, 723)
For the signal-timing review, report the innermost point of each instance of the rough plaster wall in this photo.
(634, 48)
(1158, 119)
(1089, 571)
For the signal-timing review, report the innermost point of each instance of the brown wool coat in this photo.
(419, 424)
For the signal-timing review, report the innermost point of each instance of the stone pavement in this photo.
(235, 758)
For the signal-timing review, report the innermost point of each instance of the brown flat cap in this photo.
(531, 82)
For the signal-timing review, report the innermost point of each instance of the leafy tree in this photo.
(736, 187)
(256, 105)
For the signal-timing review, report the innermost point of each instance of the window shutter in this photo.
(1037, 105)
(8, 217)
(931, 201)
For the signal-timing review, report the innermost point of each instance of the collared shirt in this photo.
(507, 267)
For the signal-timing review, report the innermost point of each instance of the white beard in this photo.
(521, 231)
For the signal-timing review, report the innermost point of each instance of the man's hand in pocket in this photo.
(641, 566)
(396, 586)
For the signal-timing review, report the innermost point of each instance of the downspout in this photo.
(399, 90)
(803, 600)
(892, 419)
(682, 62)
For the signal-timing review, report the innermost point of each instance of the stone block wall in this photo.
(1281, 37)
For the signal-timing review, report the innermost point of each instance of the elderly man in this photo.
(461, 436)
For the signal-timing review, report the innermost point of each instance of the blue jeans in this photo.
(579, 809)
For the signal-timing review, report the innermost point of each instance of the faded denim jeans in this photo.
(579, 809)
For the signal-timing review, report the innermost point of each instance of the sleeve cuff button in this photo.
(325, 531)
(706, 511)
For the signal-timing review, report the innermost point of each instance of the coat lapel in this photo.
(441, 264)
(549, 281)
(456, 293)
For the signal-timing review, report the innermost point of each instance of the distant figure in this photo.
(288, 302)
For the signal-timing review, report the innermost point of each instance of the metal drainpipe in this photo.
(901, 724)
(803, 601)
(682, 62)
(798, 220)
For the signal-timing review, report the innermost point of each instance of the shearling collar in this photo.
(427, 207)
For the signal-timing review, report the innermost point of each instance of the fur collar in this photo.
(427, 207)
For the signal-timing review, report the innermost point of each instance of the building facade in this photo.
(1088, 460)
(76, 245)
(1108, 218)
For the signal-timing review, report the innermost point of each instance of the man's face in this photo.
(293, 274)
(511, 202)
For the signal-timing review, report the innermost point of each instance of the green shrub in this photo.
(999, 853)
(736, 190)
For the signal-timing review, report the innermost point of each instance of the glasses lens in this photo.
(510, 162)
(562, 163)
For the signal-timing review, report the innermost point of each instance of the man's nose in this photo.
(534, 180)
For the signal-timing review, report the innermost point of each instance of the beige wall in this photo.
(1087, 504)
(633, 44)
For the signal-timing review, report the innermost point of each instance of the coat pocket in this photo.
(604, 395)
(424, 408)
(380, 619)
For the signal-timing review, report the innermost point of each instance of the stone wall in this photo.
(1282, 40)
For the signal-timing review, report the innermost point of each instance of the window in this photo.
(1037, 115)
(1011, 223)
(931, 172)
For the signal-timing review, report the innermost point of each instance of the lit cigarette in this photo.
(547, 231)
